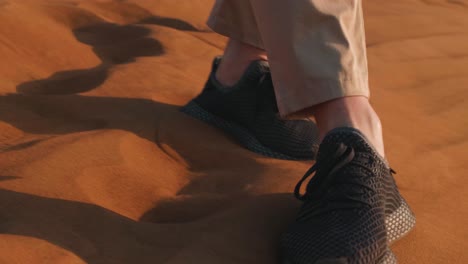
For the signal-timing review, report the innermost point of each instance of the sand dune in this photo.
(97, 165)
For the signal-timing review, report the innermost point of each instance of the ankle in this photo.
(237, 57)
(356, 112)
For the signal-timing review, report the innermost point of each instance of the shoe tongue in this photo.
(256, 70)
(332, 143)
(348, 136)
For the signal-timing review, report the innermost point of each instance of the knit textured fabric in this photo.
(248, 112)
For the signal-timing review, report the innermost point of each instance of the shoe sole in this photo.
(388, 258)
(398, 224)
(240, 134)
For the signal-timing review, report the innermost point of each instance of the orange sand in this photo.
(98, 166)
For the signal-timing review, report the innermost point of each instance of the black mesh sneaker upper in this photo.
(251, 104)
(345, 204)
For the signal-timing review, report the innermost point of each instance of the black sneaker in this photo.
(248, 112)
(352, 208)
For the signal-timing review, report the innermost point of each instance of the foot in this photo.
(248, 112)
(352, 208)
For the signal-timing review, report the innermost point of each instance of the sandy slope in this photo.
(98, 166)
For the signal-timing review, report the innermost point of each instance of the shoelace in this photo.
(319, 187)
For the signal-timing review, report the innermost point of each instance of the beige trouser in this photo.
(316, 48)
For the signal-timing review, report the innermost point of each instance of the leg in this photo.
(352, 111)
(235, 20)
(236, 58)
(318, 61)
(239, 96)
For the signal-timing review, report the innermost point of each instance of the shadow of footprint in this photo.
(114, 44)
